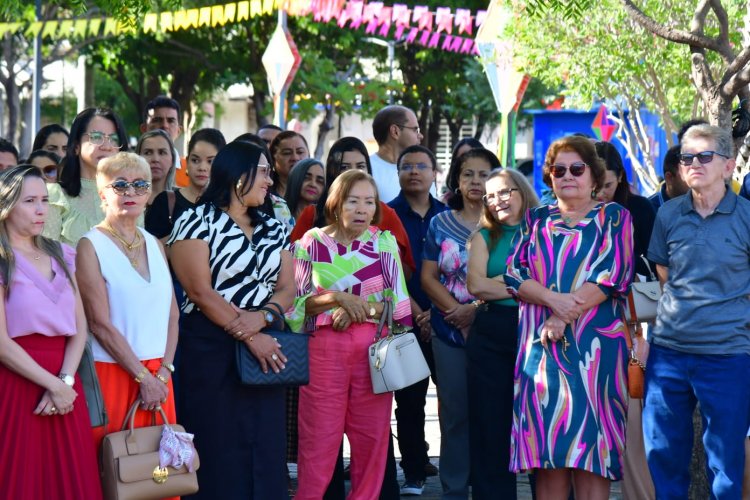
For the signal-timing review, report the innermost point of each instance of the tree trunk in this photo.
(433, 129)
(325, 126)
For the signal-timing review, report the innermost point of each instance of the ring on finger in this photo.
(274, 357)
(53, 410)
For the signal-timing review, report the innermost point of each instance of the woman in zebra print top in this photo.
(233, 260)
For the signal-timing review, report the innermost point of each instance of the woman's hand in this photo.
(267, 351)
(57, 402)
(552, 330)
(341, 319)
(461, 316)
(422, 321)
(246, 324)
(153, 392)
(356, 307)
(566, 306)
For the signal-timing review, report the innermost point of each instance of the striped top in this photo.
(445, 244)
(369, 267)
(243, 272)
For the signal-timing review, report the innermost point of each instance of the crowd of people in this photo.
(155, 267)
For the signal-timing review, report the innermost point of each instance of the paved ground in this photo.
(432, 434)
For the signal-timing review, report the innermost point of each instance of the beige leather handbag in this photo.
(130, 464)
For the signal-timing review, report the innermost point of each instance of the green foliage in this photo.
(570, 10)
(127, 11)
(608, 56)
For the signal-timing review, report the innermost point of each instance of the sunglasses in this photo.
(98, 138)
(576, 169)
(703, 157)
(50, 171)
(121, 187)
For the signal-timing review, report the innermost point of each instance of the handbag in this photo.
(645, 297)
(636, 361)
(445, 332)
(396, 361)
(295, 348)
(131, 468)
(91, 388)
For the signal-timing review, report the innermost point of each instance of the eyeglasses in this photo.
(415, 129)
(97, 138)
(140, 187)
(408, 167)
(576, 169)
(703, 157)
(502, 195)
(265, 171)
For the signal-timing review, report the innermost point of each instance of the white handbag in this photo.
(645, 297)
(396, 361)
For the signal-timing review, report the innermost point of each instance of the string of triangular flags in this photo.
(420, 24)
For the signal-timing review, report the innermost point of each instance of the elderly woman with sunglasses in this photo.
(74, 203)
(127, 295)
(570, 268)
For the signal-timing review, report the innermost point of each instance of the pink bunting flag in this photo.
(371, 12)
(456, 45)
(423, 17)
(384, 19)
(480, 17)
(434, 40)
(463, 21)
(401, 15)
(467, 46)
(447, 42)
(444, 20)
(424, 38)
(354, 11)
(412, 35)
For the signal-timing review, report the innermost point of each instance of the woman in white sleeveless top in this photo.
(127, 294)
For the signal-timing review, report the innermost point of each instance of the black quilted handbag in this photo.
(293, 345)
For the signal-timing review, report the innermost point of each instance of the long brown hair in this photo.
(11, 185)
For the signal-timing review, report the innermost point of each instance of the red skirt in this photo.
(44, 457)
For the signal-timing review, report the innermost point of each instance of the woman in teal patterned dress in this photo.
(570, 268)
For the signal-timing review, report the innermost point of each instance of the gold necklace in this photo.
(128, 247)
(568, 219)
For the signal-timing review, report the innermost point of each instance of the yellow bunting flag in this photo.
(33, 29)
(222, 14)
(79, 29)
(8, 28)
(256, 7)
(243, 11)
(150, 23)
(66, 27)
(110, 26)
(50, 28)
(268, 6)
(166, 21)
(192, 17)
(205, 18)
(180, 21)
(94, 26)
(125, 28)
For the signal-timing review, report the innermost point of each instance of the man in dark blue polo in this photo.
(415, 206)
(700, 347)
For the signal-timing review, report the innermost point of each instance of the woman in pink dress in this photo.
(47, 449)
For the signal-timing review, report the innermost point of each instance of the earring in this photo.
(336, 216)
(593, 193)
(457, 190)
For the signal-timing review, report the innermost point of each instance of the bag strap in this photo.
(130, 416)
(631, 307)
(277, 315)
(171, 200)
(386, 315)
(648, 266)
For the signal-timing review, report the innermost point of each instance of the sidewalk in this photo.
(432, 488)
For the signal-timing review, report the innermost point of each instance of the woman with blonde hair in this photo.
(127, 294)
(492, 343)
(47, 447)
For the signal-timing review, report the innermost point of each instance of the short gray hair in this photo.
(721, 138)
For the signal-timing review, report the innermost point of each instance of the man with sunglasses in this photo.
(700, 346)
(415, 206)
(394, 128)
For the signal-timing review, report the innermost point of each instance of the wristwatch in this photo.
(68, 379)
(168, 366)
(269, 317)
(372, 311)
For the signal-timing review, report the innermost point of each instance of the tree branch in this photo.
(721, 16)
(736, 83)
(674, 35)
(738, 65)
(702, 76)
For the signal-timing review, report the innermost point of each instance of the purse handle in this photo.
(648, 266)
(279, 318)
(130, 416)
(387, 313)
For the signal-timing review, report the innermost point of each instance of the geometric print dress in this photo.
(570, 404)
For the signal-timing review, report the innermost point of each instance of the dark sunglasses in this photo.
(50, 171)
(121, 187)
(703, 157)
(576, 169)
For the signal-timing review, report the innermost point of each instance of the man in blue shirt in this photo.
(673, 185)
(415, 206)
(700, 347)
